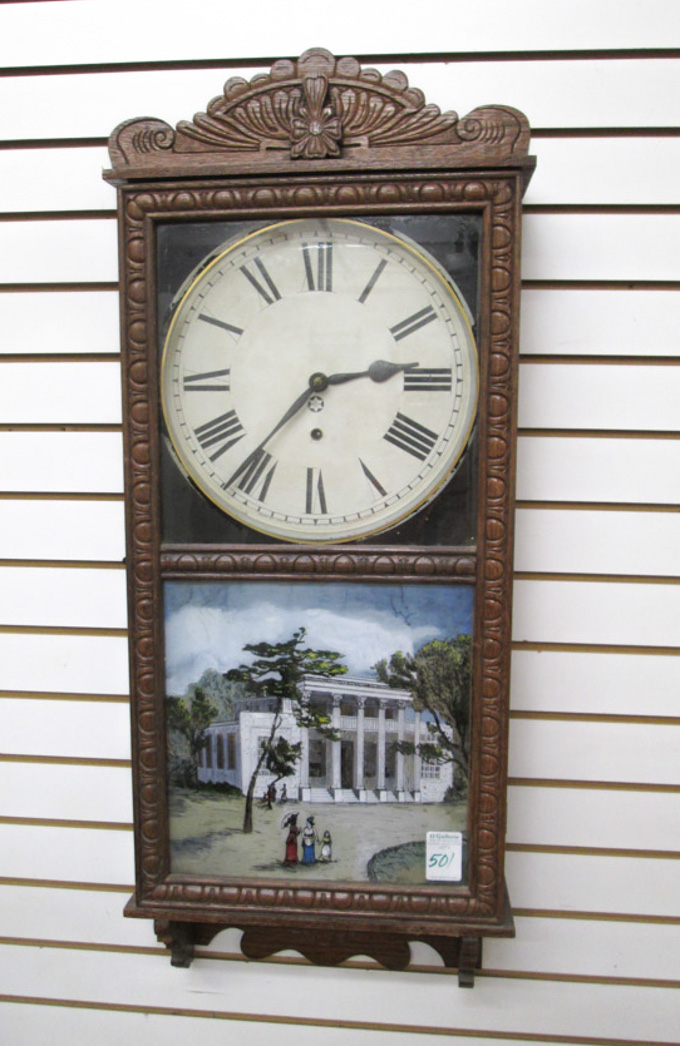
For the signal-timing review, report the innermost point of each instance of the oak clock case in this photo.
(320, 301)
(258, 424)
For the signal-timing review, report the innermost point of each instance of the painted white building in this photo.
(363, 765)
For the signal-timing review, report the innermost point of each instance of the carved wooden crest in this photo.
(317, 109)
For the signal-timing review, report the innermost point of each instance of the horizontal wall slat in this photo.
(583, 322)
(59, 322)
(335, 996)
(555, 396)
(584, 93)
(596, 884)
(549, 468)
(570, 751)
(600, 246)
(76, 855)
(624, 471)
(591, 247)
(62, 530)
(579, 682)
(40, 393)
(58, 251)
(66, 793)
(596, 612)
(74, 37)
(608, 171)
(88, 462)
(537, 881)
(563, 946)
(586, 751)
(538, 816)
(64, 664)
(587, 93)
(62, 597)
(594, 542)
(110, 1027)
(595, 818)
(617, 172)
(593, 396)
(98, 102)
(553, 322)
(75, 729)
(588, 948)
(600, 322)
(75, 182)
(75, 915)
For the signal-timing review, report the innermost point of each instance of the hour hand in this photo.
(379, 370)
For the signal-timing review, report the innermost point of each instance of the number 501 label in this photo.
(444, 856)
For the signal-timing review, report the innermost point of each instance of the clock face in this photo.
(319, 379)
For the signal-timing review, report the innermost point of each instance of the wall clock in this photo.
(289, 387)
(319, 291)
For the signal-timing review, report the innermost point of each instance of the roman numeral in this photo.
(319, 276)
(210, 381)
(372, 480)
(270, 292)
(315, 495)
(254, 473)
(411, 436)
(428, 379)
(220, 323)
(222, 433)
(413, 323)
(372, 282)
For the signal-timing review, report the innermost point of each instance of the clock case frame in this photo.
(290, 144)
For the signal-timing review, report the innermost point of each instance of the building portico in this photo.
(362, 764)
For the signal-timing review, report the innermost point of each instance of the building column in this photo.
(417, 761)
(382, 794)
(336, 749)
(305, 791)
(213, 757)
(359, 784)
(401, 793)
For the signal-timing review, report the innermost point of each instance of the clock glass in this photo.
(319, 379)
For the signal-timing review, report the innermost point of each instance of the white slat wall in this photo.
(594, 817)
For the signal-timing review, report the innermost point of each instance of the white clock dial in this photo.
(319, 379)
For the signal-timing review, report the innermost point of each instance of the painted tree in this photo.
(220, 691)
(438, 676)
(189, 717)
(276, 672)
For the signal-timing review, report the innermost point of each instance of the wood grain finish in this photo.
(477, 166)
(319, 108)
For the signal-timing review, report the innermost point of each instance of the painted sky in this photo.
(208, 624)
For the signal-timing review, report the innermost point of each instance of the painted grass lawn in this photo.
(206, 836)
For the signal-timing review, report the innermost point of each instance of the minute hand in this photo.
(255, 454)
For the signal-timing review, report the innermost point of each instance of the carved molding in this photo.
(331, 562)
(314, 109)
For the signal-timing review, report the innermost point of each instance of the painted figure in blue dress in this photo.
(309, 840)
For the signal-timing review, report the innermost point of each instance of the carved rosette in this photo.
(498, 196)
(317, 108)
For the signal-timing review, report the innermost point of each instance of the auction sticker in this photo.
(444, 856)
